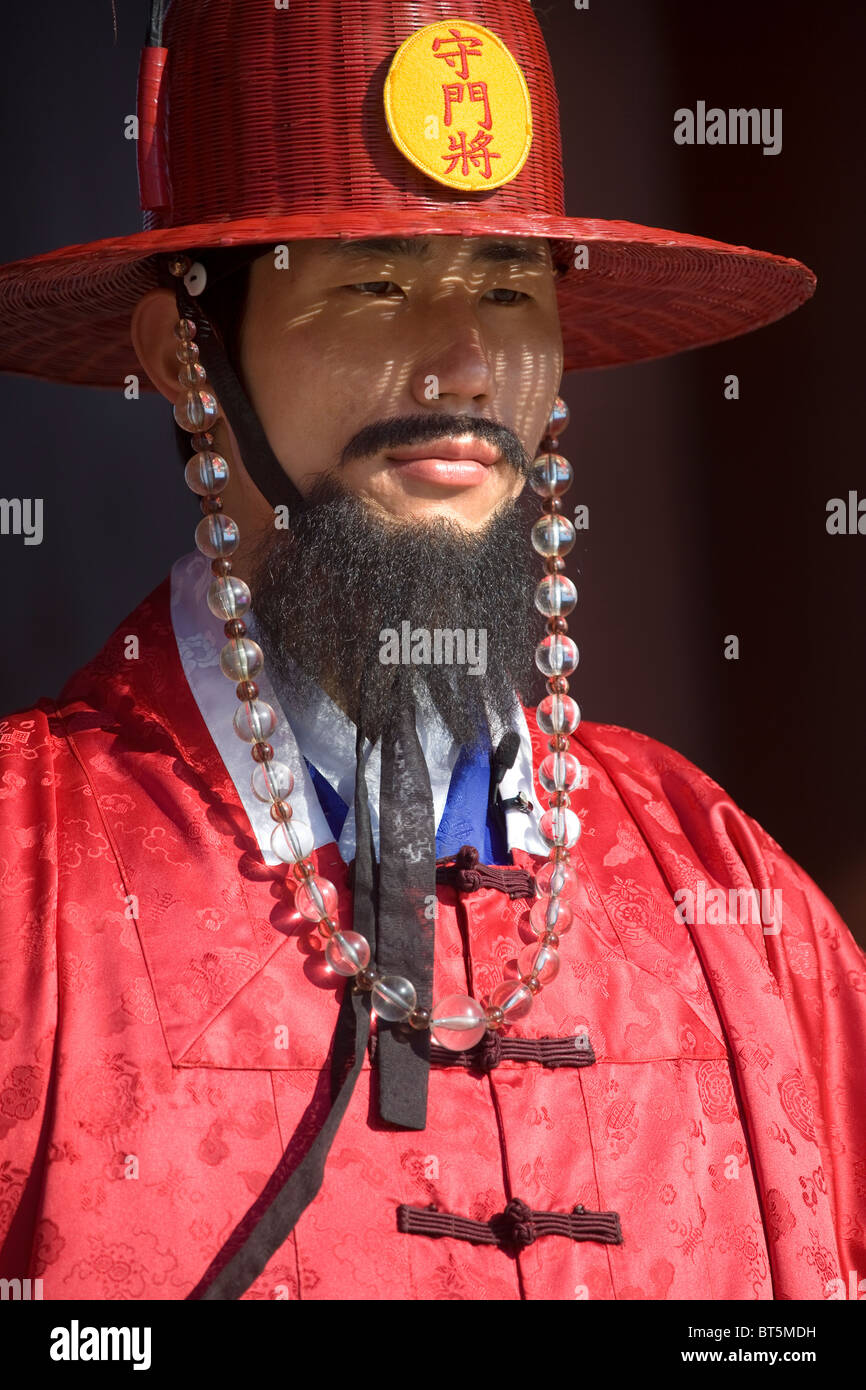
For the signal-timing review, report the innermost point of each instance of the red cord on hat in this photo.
(152, 181)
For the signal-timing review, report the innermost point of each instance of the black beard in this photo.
(325, 587)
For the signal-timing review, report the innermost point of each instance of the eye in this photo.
(378, 288)
(518, 295)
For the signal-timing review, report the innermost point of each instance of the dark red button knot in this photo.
(490, 1051)
(518, 1228)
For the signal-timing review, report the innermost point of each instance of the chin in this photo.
(411, 509)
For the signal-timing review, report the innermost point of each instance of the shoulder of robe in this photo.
(626, 754)
(41, 777)
(672, 799)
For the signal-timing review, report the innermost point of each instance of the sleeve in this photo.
(28, 975)
(821, 972)
(818, 967)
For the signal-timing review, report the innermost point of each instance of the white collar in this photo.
(320, 731)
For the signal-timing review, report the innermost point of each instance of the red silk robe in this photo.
(165, 1027)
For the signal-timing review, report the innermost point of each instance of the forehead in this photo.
(430, 250)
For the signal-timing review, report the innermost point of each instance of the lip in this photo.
(450, 462)
(450, 450)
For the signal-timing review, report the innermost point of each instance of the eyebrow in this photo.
(420, 248)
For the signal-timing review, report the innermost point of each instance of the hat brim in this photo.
(644, 292)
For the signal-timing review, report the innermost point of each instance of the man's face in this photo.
(361, 350)
(354, 357)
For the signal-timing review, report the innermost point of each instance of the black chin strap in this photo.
(258, 457)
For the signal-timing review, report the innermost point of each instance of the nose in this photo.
(454, 367)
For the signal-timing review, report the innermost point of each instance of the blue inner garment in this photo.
(468, 817)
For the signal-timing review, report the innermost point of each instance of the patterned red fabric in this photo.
(165, 1028)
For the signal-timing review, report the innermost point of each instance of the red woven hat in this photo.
(351, 118)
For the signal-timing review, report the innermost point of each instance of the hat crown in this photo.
(265, 111)
(260, 125)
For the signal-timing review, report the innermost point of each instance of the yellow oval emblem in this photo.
(458, 107)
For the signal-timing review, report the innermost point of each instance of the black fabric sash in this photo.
(405, 925)
(273, 1215)
(284, 1199)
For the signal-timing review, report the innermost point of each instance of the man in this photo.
(610, 1057)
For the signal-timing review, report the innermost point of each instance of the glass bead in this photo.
(254, 721)
(551, 475)
(196, 409)
(557, 655)
(184, 329)
(559, 772)
(557, 879)
(216, 536)
(557, 714)
(560, 826)
(228, 597)
(241, 659)
(513, 998)
(541, 960)
(187, 352)
(559, 418)
(553, 535)
(272, 781)
(555, 595)
(191, 374)
(347, 952)
(207, 472)
(393, 997)
(292, 840)
(316, 898)
(550, 914)
(458, 1022)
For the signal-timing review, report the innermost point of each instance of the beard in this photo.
(328, 587)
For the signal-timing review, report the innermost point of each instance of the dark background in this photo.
(707, 516)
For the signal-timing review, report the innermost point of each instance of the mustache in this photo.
(405, 431)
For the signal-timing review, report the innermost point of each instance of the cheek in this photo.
(532, 379)
(302, 390)
(534, 391)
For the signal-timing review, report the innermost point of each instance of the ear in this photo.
(152, 331)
